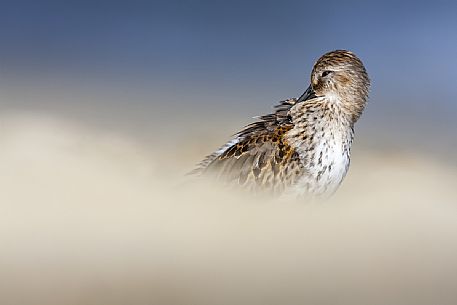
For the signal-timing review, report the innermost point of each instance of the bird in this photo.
(303, 147)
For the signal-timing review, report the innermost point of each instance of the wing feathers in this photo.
(259, 156)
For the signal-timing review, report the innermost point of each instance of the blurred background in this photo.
(104, 105)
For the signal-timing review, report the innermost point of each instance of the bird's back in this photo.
(259, 157)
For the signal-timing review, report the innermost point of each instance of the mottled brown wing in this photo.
(259, 157)
(260, 160)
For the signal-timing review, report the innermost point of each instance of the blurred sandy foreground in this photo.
(91, 217)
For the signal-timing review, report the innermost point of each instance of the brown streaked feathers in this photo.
(261, 159)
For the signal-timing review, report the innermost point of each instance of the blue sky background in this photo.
(237, 57)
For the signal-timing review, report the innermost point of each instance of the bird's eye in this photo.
(325, 73)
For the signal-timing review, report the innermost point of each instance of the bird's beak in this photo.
(309, 94)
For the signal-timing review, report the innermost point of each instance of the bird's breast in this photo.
(323, 146)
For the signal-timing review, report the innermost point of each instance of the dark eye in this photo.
(325, 73)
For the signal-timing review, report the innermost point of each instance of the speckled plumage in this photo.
(303, 147)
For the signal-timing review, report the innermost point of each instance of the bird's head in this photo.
(340, 77)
